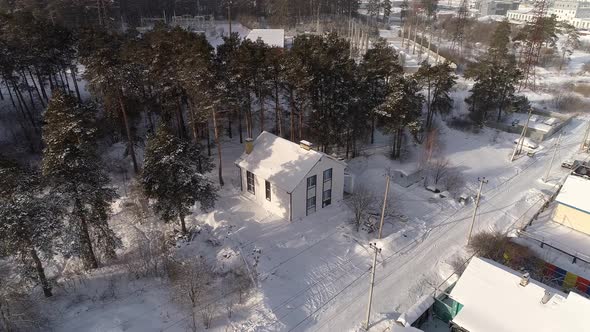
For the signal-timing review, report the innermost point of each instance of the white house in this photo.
(287, 179)
(271, 37)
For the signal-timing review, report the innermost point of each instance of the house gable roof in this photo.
(574, 193)
(494, 301)
(279, 161)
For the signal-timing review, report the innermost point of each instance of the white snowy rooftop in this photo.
(279, 161)
(271, 37)
(574, 193)
(494, 301)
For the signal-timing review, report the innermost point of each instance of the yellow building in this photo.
(573, 204)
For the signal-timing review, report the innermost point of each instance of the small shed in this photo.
(405, 178)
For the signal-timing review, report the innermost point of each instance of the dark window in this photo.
(250, 180)
(311, 195)
(327, 188)
(267, 187)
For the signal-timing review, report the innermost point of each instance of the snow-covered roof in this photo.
(494, 301)
(271, 37)
(574, 193)
(280, 161)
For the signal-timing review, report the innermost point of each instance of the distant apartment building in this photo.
(576, 13)
(496, 7)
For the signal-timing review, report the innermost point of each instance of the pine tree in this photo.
(438, 80)
(112, 78)
(235, 91)
(373, 7)
(570, 43)
(74, 170)
(30, 220)
(496, 76)
(379, 66)
(401, 110)
(174, 177)
(386, 8)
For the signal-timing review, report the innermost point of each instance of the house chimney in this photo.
(305, 145)
(546, 297)
(249, 146)
(524, 280)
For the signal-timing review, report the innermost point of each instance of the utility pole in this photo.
(482, 181)
(552, 159)
(526, 128)
(377, 251)
(518, 147)
(383, 208)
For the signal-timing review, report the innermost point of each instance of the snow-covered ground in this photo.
(313, 274)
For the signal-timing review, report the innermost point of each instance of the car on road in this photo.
(572, 164)
(527, 143)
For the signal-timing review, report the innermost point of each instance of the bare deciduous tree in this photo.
(360, 202)
(438, 170)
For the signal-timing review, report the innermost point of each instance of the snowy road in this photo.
(503, 206)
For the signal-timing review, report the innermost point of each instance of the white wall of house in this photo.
(279, 200)
(300, 193)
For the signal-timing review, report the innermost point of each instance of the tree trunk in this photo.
(373, 120)
(191, 114)
(66, 80)
(24, 107)
(208, 134)
(10, 93)
(128, 131)
(218, 142)
(41, 85)
(182, 223)
(240, 124)
(429, 109)
(300, 124)
(51, 85)
(40, 272)
(292, 118)
(229, 124)
(249, 117)
(278, 117)
(261, 100)
(180, 119)
(36, 88)
(61, 81)
(88, 257)
(1, 94)
(28, 90)
(75, 81)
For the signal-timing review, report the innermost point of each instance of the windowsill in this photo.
(252, 192)
(268, 199)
